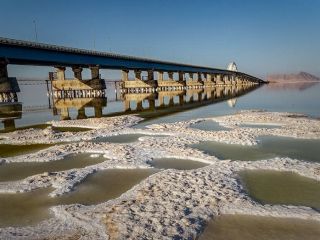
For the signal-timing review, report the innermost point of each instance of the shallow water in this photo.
(268, 147)
(105, 185)
(179, 164)
(71, 129)
(273, 187)
(11, 150)
(124, 138)
(294, 99)
(243, 227)
(268, 126)
(209, 125)
(15, 171)
(32, 207)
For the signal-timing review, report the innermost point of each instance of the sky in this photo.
(262, 36)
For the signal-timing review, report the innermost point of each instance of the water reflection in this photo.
(63, 106)
(274, 187)
(268, 147)
(187, 98)
(244, 227)
(148, 103)
(31, 207)
(8, 113)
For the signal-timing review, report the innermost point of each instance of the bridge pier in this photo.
(77, 72)
(125, 75)
(137, 75)
(8, 85)
(150, 75)
(60, 73)
(77, 87)
(95, 72)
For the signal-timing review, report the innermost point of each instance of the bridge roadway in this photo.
(32, 53)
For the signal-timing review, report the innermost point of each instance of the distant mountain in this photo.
(300, 77)
(300, 81)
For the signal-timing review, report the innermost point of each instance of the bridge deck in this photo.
(31, 53)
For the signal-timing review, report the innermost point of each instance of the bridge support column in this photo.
(77, 72)
(190, 76)
(81, 113)
(209, 77)
(181, 99)
(126, 105)
(170, 76)
(64, 114)
(181, 76)
(125, 75)
(3, 75)
(171, 101)
(152, 104)
(98, 111)
(160, 76)
(150, 75)
(199, 77)
(60, 73)
(8, 85)
(137, 75)
(95, 72)
(139, 106)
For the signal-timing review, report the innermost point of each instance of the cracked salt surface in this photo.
(168, 204)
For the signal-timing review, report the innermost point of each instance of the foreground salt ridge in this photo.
(170, 203)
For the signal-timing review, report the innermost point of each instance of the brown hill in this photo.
(300, 77)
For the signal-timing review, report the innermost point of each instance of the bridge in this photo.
(179, 75)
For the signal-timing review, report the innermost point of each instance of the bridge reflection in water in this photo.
(151, 103)
(183, 99)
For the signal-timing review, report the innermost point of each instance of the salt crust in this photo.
(170, 204)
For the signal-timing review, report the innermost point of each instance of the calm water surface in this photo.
(268, 147)
(15, 171)
(11, 150)
(32, 207)
(243, 227)
(303, 100)
(273, 187)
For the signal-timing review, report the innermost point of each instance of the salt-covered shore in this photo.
(168, 204)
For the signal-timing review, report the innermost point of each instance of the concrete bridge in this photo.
(178, 75)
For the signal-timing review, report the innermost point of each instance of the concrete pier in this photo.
(181, 98)
(8, 85)
(77, 87)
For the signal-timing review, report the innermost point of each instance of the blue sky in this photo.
(262, 37)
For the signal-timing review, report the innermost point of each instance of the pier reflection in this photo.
(8, 113)
(62, 107)
(157, 100)
(154, 101)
